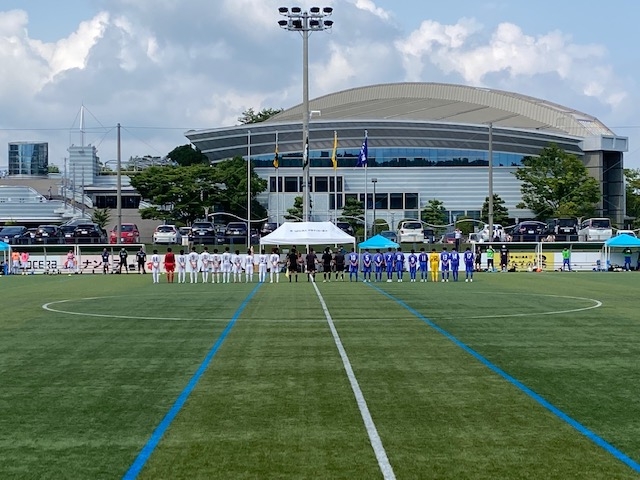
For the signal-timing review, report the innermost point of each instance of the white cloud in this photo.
(370, 6)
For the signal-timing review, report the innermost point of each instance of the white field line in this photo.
(374, 437)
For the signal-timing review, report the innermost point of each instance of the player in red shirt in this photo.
(169, 264)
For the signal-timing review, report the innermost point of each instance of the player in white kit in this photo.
(236, 262)
(226, 265)
(263, 261)
(205, 260)
(274, 265)
(155, 267)
(193, 264)
(248, 267)
(181, 260)
(216, 263)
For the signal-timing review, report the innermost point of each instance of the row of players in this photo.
(228, 266)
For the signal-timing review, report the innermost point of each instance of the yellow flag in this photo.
(334, 159)
(276, 159)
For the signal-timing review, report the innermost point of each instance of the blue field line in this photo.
(546, 404)
(140, 461)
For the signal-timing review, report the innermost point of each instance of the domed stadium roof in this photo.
(448, 103)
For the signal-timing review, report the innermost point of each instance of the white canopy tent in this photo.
(307, 233)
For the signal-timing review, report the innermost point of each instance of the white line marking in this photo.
(374, 437)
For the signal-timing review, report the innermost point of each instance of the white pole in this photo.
(277, 186)
(248, 189)
(365, 200)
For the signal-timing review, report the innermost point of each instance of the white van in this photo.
(595, 230)
(410, 231)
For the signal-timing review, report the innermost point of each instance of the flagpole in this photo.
(248, 188)
(366, 134)
(334, 161)
(277, 188)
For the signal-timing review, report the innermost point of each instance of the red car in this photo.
(128, 234)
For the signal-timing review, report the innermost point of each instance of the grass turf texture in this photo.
(80, 395)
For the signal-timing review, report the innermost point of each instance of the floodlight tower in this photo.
(314, 20)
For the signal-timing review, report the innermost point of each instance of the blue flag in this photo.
(364, 153)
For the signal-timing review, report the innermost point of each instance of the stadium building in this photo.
(426, 141)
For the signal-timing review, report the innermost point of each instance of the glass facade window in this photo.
(111, 201)
(332, 202)
(272, 184)
(382, 201)
(291, 185)
(321, 184)
(396, 201)
(410, 201)
(28, 158)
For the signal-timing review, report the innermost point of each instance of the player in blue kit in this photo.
(468, 259)
(413, 265)
(353, 265)
(389, 258)
(444, 264)
(423, 258)
(367, 263)
(378, 262)
(399, 263)
(454, 257)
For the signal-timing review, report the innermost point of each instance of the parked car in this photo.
(528, 231)
(345, 227)
(429, 235)
(389, 234)
(236, 229)
(13, 234)
(631, 233)
(48, 234)
(88, 233)
(562, 226)
(129, 233)
(203, 232)
(168, 234)
(67, 233)
(449, 237)
(268, 228)
(595, 230)
(410, 231)
(184, 231)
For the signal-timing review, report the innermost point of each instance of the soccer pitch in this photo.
(518, 375)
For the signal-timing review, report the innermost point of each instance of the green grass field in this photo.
(85, 384)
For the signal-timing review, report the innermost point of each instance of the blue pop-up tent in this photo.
(5, 248)
(378, 241)
(619, 242)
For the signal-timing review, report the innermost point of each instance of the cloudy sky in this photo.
(161, 67)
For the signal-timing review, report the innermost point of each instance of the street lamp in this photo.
(305, 22)
(374, 181)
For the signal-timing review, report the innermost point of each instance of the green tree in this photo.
(53, 169)
(232, 174)
(186, 155)
(101, 216)
(250, 116)
(500, 212)
(352, 211)
(465, 224)
(435, 215)
(557, 184)
(632, 187)
(295, 213)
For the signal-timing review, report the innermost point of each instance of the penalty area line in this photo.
(142, 458)
(372, 431)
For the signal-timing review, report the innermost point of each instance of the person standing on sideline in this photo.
(15, 262)
(216, 263)
(24, 261)
(445, 264)
(413, 265)
(378, 262)
(263, 262)
(339, 262)
(504, 258)
(274, 264)
(468, 259)
(399, 260)
(367, 262)
(181, 261)
(477, 258)
(327, 260)
(248, 267)
(566, 259)
(236, 266)
(627, 258)
(353, 265)
(292, 263)
(169, 264)
(434, 264)
(193, 258)
(389, 259)
(123, 255)
(105, 260)
(311, 260)
(490, 252)
(454, 256)
(155, 267)
(71, 262)
(226, 266)
(205, 262)
(457, 235)
(141, 259)
(423, 258)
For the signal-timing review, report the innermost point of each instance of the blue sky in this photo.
(160, 67)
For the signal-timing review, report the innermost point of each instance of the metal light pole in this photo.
(373, 229)
(305, 22)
